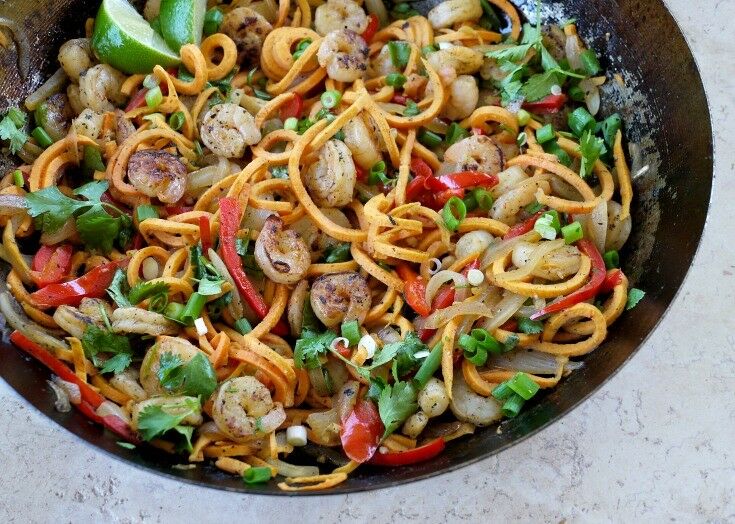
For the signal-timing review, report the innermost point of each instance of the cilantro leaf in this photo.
(96, 340)
(635, 295)
(591, 147)
(119, 289)
(143, 290)
(395, 404)
(514, 53)
(209, 286)
(337, 253)
(402, 353)
(530, 327)
(157, 419)
(11, 129)
(310, 347)
(117, 363)
(53, 206)
(98, 229)
(92, 191)
(194, 378)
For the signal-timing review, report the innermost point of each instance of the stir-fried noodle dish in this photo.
(242, 230)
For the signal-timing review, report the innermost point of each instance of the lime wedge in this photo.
(182, 21)
(123, 39)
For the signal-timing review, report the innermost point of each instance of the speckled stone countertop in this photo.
(656, 444)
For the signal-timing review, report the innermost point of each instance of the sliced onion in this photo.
(339, 340)
(505, 309)
(527, 361)
(441, 278)
(62, 403)
(590, 86)
(318, 380)
(108, 408)
(206, 177)
(448, 430)
(596, 223)
(636, 158)
(501, 248)
(573, 51)
(30, 329)
(438, 126)
(235, 306)
(508, 179)
(377, 8)
(292, 470)
(390, 107)
(539, 252)
(440, 317)
(472, 242)
(12, 205)
(389, 335)
(325, 427)
(72, 390)
(254, 218)
(68, 230)
(346, 399)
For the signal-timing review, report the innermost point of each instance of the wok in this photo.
(664, 108)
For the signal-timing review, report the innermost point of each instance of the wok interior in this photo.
(638, 40)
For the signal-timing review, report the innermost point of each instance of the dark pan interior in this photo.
(665, 111)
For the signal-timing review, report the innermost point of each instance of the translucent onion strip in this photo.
(441, 278)
(505, 309)
(541, 250)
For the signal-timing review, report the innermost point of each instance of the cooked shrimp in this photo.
(451, 12)
(75, 57)
(159, 174)
(415, 424)
(88, 123)
(463, 96)
(507, 206)
(362, 142)
(127, 382)
(338, 297)
(243, 409)
(96, 308)
(463, 60)
(248, 30)
(174, 346)
(99, 88)
(339, 14)
(331, 179)
(123, 127)
(136, 320)
(73, 321)
(381, 64)
(72, 93)
(474, 153)
(281, 254)
(228, 129)
(344, 54)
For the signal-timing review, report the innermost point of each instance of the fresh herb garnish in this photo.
(635, 295)
(11, 129)
(96, 341)
(195, 378)
(97, 228)
(155, 420)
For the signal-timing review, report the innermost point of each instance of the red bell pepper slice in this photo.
(360, 174)
(371, 29)
(92, 284)
(465, 179)
(587, 291)
(361, 431)
(546, 106)
(51, 264)
(612, 279)
(478, 131)
(205, 233)
(399, 99)
(229, 223)
(414, 289)
(137, 101)
(292, 108)
(523, 227)
(420, 167)
(411, 456)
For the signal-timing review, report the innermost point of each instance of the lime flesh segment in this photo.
(182, 21)
(123, 39)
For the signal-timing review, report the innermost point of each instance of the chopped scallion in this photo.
(18, 179)
(192, 309)
(484, 198)
(154, 97)
(176, 120)
(545, 134)
(212, 20)
(512, 406)
(523, 116)
(144, 212)
(612, 259)
(331, 99)
(243, 326)
(580, 120)
(455, 133)
(429, 138)
(351, 331)
(42, 137)
(258, 475)
(523, 385)
(572, 232)
(395, 80)
(453, 213)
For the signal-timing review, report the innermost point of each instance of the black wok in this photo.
(665, 111)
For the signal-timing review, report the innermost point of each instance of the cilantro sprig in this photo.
(157, 419)
(97, 228)
(97, 341)
(193, 378)
(11, 129)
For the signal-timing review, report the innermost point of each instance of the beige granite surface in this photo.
(656, 444)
